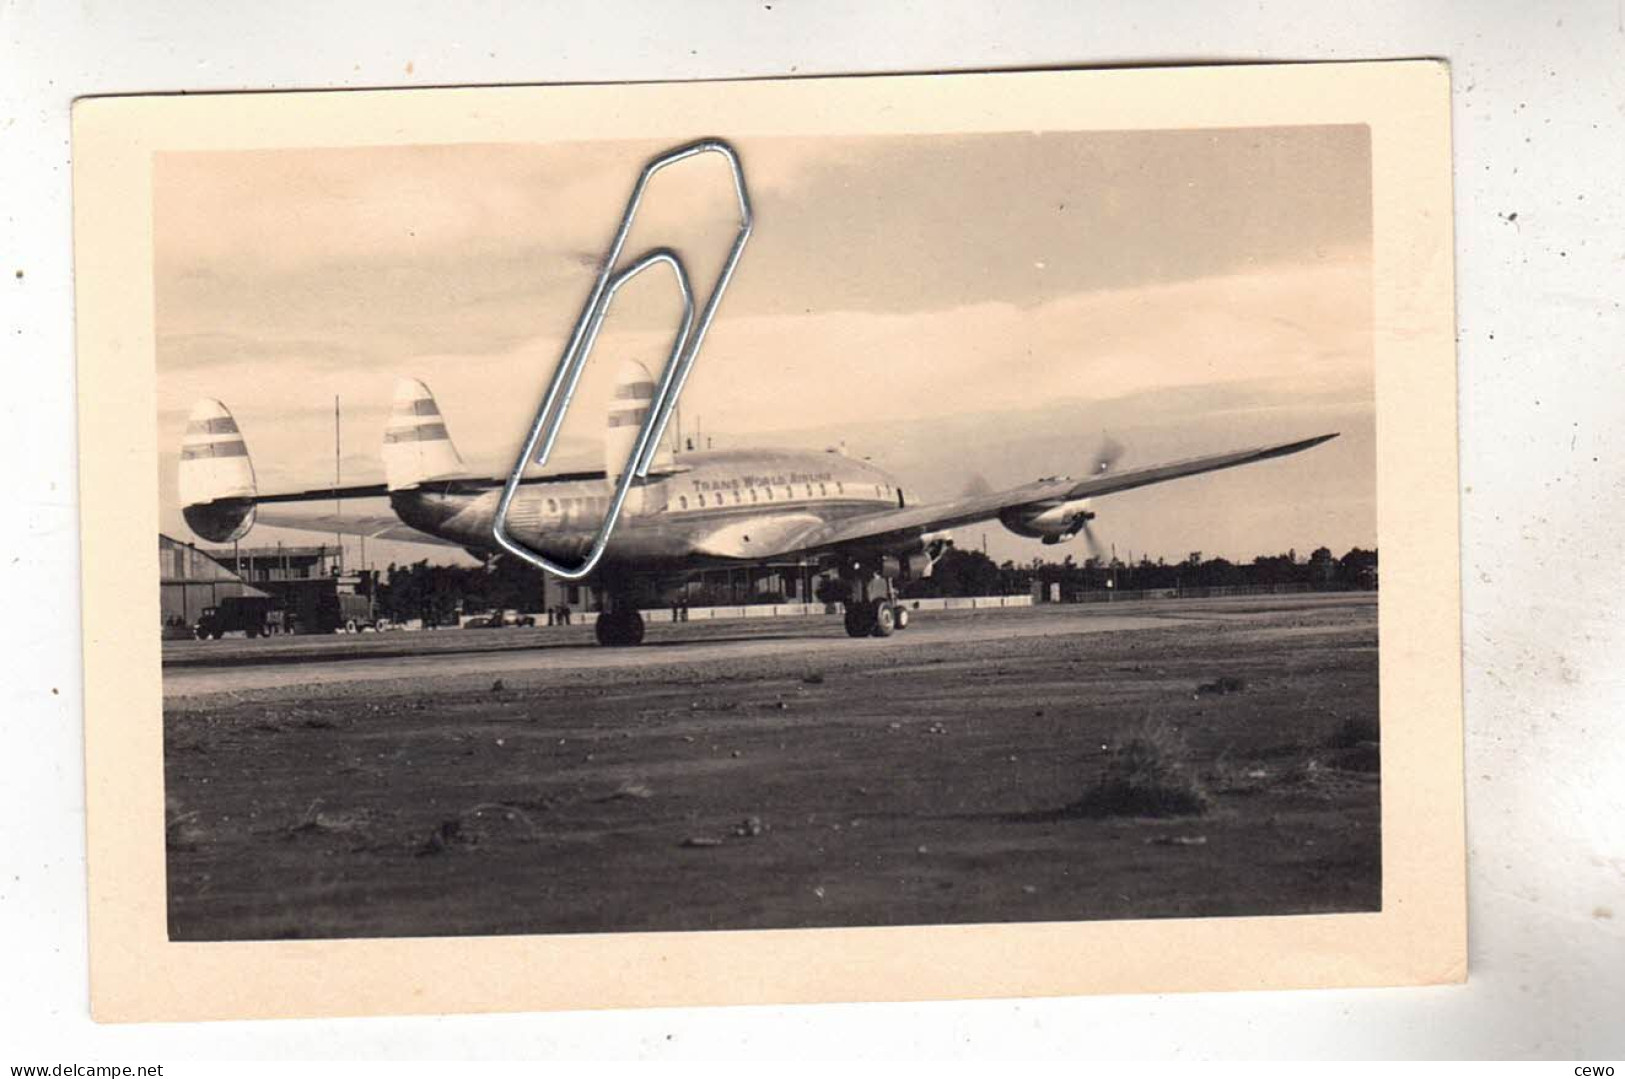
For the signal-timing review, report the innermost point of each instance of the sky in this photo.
(960, 309)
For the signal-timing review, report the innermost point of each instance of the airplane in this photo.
(695, 511)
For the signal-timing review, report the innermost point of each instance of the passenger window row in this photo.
(766, 494)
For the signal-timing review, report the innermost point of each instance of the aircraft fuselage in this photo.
(710, 502)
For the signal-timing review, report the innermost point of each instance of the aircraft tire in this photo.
(619, 628)
(859, 619)
(902, 616)
(885, 619)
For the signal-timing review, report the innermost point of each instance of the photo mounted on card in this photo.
(838, 539)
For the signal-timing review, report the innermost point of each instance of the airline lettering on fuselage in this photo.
(746, 482)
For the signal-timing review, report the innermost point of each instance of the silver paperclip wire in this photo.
(549, 420)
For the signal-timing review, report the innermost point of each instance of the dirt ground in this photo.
(524, 781)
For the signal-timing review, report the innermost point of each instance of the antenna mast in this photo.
(338, 503)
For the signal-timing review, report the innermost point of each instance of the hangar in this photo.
(190, 580)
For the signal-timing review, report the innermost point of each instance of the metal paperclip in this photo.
(549, 420)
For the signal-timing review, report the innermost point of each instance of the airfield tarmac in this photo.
(772, 773)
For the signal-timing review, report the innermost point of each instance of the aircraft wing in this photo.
(897, 526)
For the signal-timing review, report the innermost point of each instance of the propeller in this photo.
(1106, 457)
(1093, 543)
(975, 487)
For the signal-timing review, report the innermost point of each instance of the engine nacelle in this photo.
(1052, 522)
(912, 562)
(933, 545)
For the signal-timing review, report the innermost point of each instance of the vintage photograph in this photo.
(1009, 554)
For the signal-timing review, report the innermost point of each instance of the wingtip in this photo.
(1299, 446)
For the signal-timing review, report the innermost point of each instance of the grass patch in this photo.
(1227, 775)
(318, 821)
(1365, 757)
(477, 824)
(1354, 732)
(1222, 685)
(183, 829)
(1149, 775)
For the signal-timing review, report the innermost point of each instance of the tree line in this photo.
(962, 572)
(438, 593)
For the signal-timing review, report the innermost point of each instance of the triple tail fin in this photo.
(417, 446)
(628, 408)
(215, 478)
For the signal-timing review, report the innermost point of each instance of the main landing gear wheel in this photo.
(875, 619)
(885, 617)
(619, 628)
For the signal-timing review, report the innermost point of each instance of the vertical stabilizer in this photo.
(215, 479)
(628, 408)
(417, 446)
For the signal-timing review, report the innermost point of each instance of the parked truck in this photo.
(249, 614)
(354, 613)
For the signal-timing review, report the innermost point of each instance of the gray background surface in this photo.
(1539, 91)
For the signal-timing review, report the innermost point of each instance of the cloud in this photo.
(1297, 329)
(1302, 326)
(488, 242)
